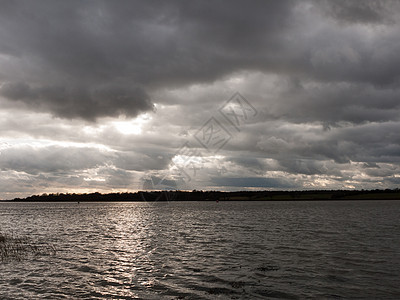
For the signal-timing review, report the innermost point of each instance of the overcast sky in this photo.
(131, 95)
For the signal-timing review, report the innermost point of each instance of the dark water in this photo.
(226, 250)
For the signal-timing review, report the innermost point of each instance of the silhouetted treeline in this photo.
(151, 196)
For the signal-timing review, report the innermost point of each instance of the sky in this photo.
(115, 96)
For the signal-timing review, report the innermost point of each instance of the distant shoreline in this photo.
(216, 196)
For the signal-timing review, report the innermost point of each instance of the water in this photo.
(191, 250)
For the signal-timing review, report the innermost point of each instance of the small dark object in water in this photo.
(216, 291)
(268, 268)
(196, 270)
(237, 284)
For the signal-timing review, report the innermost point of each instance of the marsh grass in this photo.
(19, 248)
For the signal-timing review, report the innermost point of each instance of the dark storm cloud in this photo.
(62, 54)
(99, 58)
(79, 102)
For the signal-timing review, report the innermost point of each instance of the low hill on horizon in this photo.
(195, 195)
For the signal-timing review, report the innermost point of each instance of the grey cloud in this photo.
(251, 163)
(371, 165)
(59, 160)
(53, 159)
(374, 11)
(249, 182)
(118, 178)
(336, 102)
(383, 172)
(65, 51)
(142, 161)
(157, 182)
(79, 102)
(394, 180)
(300, 166)
(370, 142)
(11, 185)
(61, 47)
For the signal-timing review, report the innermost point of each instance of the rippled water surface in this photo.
(192, 250)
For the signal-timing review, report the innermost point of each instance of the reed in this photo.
(19, 248)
